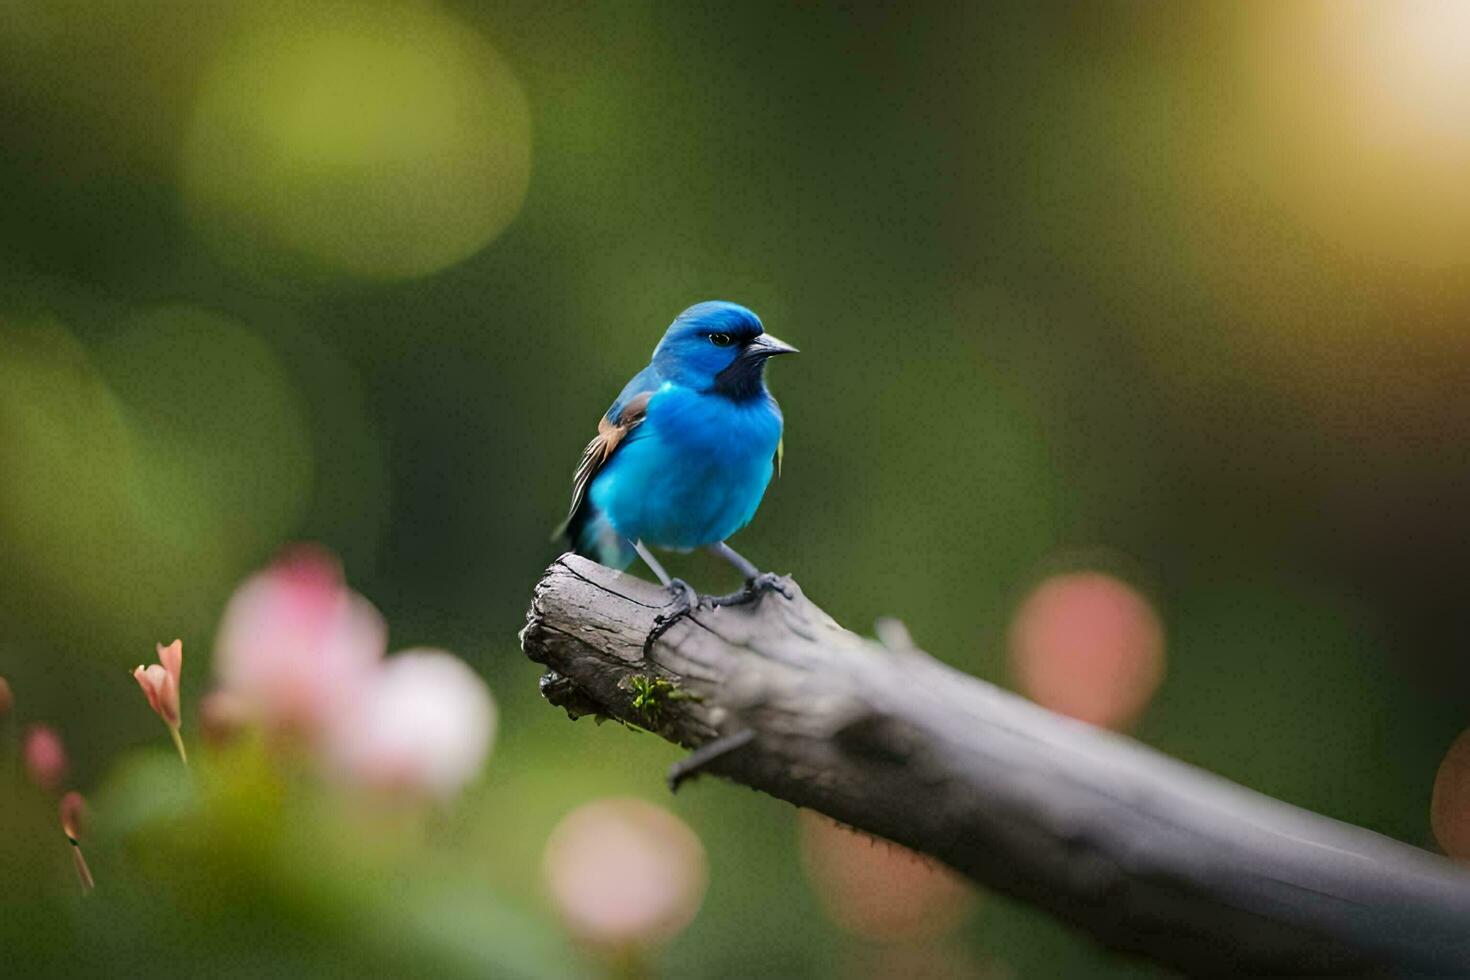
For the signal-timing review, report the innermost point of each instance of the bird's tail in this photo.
(591, 535)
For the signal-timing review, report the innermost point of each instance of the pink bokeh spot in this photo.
(296, 647)
(877, 889)
(1449, 807)
(1088, 645)
(223, 715)
(301, 655)
(623, 872)
(423, 727)
(45, 757)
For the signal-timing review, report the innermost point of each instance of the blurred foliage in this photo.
(1184, 282)
(229, 866)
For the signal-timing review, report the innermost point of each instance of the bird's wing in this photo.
(625, 416)
(609, 434)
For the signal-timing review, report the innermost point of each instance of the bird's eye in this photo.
(721, 339)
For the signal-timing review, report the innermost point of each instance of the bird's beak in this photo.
(767, 346)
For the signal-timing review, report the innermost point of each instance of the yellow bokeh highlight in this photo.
(144, 474)
(226, 457)
(1357, 119)
(70, 458)
(380, 141)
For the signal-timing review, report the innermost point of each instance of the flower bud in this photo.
(297, 646)
(73, 816)
(73, 820)
(160, 682)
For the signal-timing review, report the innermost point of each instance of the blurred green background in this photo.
(1174, 291)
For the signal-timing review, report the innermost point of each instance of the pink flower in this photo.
(296, 646)
(625, 873)
(160, 682)
(302, 654)
(45, 757)
(422, 725)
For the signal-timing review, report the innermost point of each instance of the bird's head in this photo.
(719, 347)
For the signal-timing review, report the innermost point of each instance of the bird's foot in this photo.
(685, 601)
(754, 589)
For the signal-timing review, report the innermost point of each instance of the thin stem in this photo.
(179, 743)
(84, 873)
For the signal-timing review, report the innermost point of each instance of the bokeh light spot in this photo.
(424, 727)
(377, 141)
(1449, 807)
(141, 473)
(1355, 121)
(624, 872)
(1090, 646)
(221, 432)
(877, 889)
(70, 532)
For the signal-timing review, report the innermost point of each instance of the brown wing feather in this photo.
(602, 446)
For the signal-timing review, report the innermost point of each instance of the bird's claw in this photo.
(754, 589)
(685, 601)
(768, 582)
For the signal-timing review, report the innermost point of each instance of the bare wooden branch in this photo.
(1143, 852)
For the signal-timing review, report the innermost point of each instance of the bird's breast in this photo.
(716, 425)
(694, 471)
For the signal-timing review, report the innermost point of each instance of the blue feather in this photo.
(693, 473)
(687, 464)
(643, 382)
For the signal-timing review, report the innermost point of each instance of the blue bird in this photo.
(682, 458)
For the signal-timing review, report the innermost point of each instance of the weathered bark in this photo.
(1143, 852)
